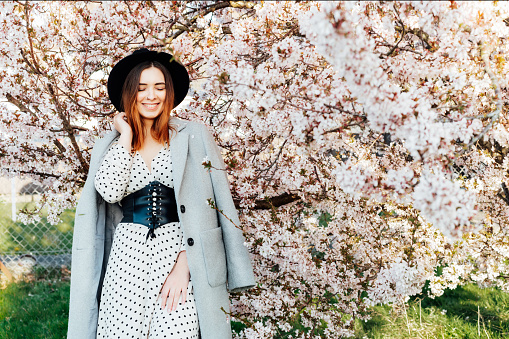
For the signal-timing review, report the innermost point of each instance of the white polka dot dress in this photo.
(137, 267)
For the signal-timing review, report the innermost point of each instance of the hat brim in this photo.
(119, 72)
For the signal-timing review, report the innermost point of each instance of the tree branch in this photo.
(269, 203)
(209, 9)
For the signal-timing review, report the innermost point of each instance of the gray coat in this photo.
(218, 260)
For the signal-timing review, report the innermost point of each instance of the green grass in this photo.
(39, 309)
(34, 310)
(466, 312)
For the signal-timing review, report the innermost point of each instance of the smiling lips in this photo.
(150, 106)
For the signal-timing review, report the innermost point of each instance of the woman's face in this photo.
(151, 93)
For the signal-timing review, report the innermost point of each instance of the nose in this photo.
(150, 93)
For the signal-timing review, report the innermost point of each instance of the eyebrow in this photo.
(159, 83)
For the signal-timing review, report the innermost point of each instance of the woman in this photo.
(151, 258)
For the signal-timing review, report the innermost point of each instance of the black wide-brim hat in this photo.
(119, 72)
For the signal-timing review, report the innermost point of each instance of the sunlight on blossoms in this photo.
(365, 143)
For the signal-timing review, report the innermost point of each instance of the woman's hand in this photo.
(126, 133)
(176, 284)
(121, 124)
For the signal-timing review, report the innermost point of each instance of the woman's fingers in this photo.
(165, 290)
(171, 297)
(120, 122)
(175, 286)
(164, 295)
(168, 295)
(171, 300)
(176, 298)
(118, 116)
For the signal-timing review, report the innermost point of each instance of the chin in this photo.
(150, 115)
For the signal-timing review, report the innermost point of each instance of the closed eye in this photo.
(159, 89)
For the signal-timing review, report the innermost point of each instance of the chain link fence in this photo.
(38, 245)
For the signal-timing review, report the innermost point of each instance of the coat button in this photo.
(190, 241)
(182, 209)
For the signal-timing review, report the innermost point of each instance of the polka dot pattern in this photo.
(130, 302)
(121, 173)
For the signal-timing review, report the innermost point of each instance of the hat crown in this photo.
(141, 50)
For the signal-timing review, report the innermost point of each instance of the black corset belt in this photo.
(154, 205)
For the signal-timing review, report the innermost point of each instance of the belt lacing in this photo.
(152, 206)
(151, 234)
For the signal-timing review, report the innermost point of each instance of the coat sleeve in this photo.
(240, 270)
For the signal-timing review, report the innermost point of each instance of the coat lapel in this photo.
(178, 149)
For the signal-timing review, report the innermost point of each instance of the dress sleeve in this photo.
(112, 178)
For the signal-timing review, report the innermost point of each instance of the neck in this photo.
(147, 125)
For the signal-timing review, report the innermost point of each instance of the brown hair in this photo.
(161, 126)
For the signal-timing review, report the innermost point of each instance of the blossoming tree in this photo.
(365, 142)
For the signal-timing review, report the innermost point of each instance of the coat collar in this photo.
(178, 149)
(181, 124)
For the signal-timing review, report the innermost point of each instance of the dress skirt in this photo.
(130, 299)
